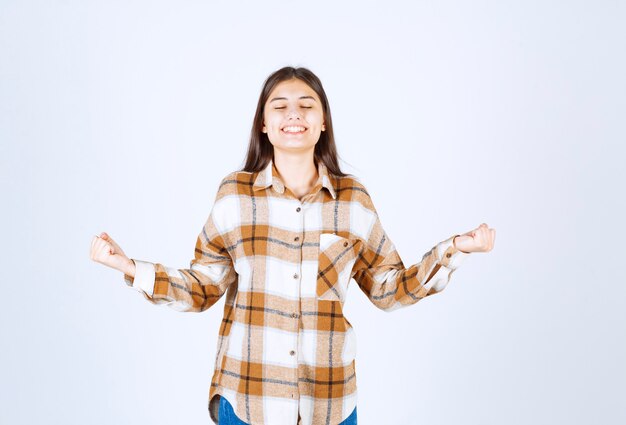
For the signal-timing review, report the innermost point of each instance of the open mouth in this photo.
(293, 129)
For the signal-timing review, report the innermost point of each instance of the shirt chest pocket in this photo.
(334, 268)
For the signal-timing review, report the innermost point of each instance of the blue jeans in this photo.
(226, 415)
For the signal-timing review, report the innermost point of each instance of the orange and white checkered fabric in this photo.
(285, 351)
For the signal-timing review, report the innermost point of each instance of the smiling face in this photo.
(293, 117)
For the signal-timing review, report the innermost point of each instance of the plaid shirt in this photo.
(285, 350)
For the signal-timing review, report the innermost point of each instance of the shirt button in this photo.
(345, 243)
(294, 315)
(297, 238)
(298, 209)
(292, 352)
(448, 255)
(295, 275)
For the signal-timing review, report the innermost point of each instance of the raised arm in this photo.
(194, 289)
(389, 285)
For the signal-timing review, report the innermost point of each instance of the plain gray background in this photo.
(124, 116)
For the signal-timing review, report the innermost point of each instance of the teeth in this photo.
(293, 129)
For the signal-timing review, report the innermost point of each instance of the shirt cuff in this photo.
(449, 256)
(144, 279)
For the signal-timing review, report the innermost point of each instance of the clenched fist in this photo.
(105, 250)
(480, 239)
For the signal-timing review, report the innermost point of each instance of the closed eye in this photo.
(282, 107)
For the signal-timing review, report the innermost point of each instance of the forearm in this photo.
(390, 285)
(194, 289)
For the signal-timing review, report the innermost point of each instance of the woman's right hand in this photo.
(105, 250)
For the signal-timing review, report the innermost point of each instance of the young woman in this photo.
(283, 240)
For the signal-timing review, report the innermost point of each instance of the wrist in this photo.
(456, 247)
(130, 268)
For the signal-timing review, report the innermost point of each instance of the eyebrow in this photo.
(301, 97)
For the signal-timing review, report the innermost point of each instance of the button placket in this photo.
(296, 239)
(294, 315)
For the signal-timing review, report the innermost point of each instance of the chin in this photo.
(294, 147)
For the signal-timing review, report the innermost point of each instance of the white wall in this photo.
(124, 116)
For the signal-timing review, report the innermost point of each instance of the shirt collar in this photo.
(269, 177)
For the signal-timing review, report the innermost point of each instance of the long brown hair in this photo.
(261, 151)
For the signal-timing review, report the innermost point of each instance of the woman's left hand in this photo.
(480, 239)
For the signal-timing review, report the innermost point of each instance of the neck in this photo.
(298, 172)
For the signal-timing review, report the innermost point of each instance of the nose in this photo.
(293, 114)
